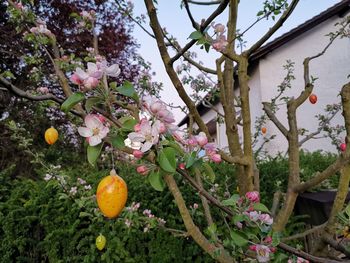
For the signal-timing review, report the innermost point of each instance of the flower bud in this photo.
(253, 196)
(137, 154)
(216, 158)
(143, 170)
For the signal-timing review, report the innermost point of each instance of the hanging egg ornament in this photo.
(313, 98)
(100, 242)
(342, 147)
(263, 130)
(51, 135)
(111, 195)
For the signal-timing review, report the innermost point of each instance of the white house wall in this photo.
(331, 69)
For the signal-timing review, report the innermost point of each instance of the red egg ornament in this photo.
(313, 98)
(263, 130)
(342, 147)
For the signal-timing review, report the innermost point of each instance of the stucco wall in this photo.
(331, 70)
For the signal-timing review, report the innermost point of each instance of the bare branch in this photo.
(305, 233)
(305, 255)
(205, 3)
(274, 28)
(195, 25)
(218, 11)
(273, 118)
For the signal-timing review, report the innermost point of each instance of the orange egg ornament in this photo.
(263, 130)
(111, 195)
(51, 135)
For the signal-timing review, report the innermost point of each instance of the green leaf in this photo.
(90, 102)
(93, 152)
(128, 90)
(275, 239)
(72, 100)
(239, 218)
(195, 35)
(232, 201)
(261, 207)
(238, 238)
(209, 172)
(190, 159)
(118, 141)
(128, 123)
(167, 159)
(156, 181)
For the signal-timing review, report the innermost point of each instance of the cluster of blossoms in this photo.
(150, 219)
(96, 129)
(220, 43)
(148, 131)
(245, 206)
(41, 29)
(90, 78)
(198, 143)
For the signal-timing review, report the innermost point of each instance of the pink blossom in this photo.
(263, 253)
(95, 131)
(160, 126)
(142, 169)
(91, 83)
(253, 196)
(41, 29)
(219, 28)
(148, 136)
(43, 90)
(158, 109)
(253, 215)
(201, 139)
(220, 43)
(195, 206)
(76, 80)
(266, 219)
(301, 260)
(216, 158)
(137, 154)
(192, 141)
(90, 78)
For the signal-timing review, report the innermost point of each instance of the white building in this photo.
(266, 73)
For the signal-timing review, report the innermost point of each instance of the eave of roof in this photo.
(337, 9)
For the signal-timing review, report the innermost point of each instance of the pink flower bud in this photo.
(76, 80)
(252, 247)
(161, 128)
(202, 139)
(273, 249)
(143, 170)
(268, 239)
(216, 158)
(253, 196)
(192, 141)
(137, 154)
(342, 147)
(182, 166)
(90, 83)
(195, 206)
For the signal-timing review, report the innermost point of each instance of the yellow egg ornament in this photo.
(100, 242)
(51, 135)
(111, 195)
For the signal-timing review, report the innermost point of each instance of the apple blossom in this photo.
(201, 139)
(182, 166)
(95, 131)
(148, 136)
(268, 239)
(253, 196)
(218, 28)
(216, 158)
(263, 253)
(266, 219)
(41, 29)
(43, 90)
(220, 43)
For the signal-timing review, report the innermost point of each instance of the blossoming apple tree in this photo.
(114, 110)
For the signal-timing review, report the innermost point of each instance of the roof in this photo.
(338, 9)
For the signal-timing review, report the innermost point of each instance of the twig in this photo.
(273, 118)
(305, 233)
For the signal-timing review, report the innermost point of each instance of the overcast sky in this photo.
(177, 23)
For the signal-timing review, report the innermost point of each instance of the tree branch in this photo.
(218, 11)
(205, 3)
(192, 229)
(274, 28)
(273, 118)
